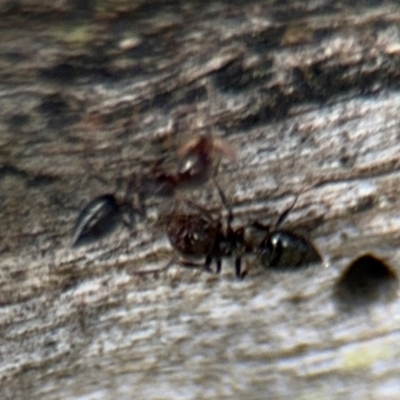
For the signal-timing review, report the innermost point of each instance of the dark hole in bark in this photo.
(366, 280)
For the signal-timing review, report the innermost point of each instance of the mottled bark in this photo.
(307, 91)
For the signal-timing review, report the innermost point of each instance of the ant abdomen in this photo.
(96, 220)
(192, 235)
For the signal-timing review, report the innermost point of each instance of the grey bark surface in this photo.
(306, 91)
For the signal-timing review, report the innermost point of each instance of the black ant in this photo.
(197, 159)
(195, 236)
(282, 248)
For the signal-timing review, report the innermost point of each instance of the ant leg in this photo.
(155, 270)
(216, 168)
(253, 264)
(135, 195)
(207, 264)
(260, 226)
(222, 196)
(195, 206)
(129, 217)
(182, 262)
(238, 268)
(224, 202)
(219, 265)
(193, 265)
(92, 172)
(155, 182)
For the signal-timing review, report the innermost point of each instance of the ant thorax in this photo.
(194, 170)
(199, 158)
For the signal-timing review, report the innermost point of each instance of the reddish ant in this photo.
(201, 235)
(198, 160)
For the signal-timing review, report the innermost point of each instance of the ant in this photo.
(283, 248)
(201, 235)
(199, 159)
(195, 236)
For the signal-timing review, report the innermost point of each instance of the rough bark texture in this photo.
(307, 91)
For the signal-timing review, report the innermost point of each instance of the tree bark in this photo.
(93, 92)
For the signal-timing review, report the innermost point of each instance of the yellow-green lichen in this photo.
(79, 36)
(363, 356)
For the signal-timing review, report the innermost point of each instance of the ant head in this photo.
(285, 250)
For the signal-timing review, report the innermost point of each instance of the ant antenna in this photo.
(286, 212)
(282, 217)
(224, 202)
